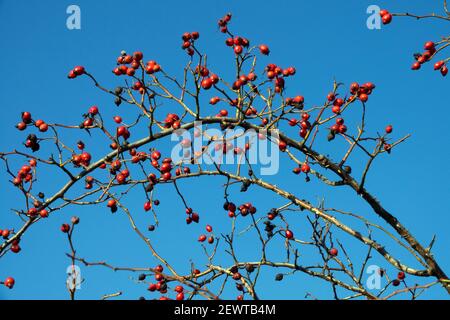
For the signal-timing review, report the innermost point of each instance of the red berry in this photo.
(444, 71)
(264, 49)
(387, 18)
(180, 296)
(15, 248)
(401, 275)
(214, 100)
(43, 127)
(363, 97)
(289, 234)
(223, 113)
(195, 217)
(32, 212)
(429, 45)
(5, 233)
(65, 228)
(299, 99)
(208, 228)
(147, 206)
(333, 252)
(93, 110)
(207, 83)
(138, 56)
(178, 289)
(238, 49)
(305, 167)
(21, 126)
(383, 12)
(72, 75)
(111, 203)
(342, 129)
(43, 213)
(388, 129)
(156, 155)
(438, 65)
(9, 282)
(26, 117)
(79, 70)
(202, 238)
(195, 35)
(118, 119)
(415, 66)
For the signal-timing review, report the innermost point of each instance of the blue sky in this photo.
(324, 40)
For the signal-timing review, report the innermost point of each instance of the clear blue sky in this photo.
(325, 40)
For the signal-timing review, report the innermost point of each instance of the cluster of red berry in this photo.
(208, 80)
(440, 65)
(161, 284)
(25, 173)
(189, 41)
(178, 171)
(277, 74)
(223, 23)
(386, 16)
(152, 67)
(5, 233)
(192, 216)
(247, 208)
(427, 55)
(421, 58)
(231, 208)
(305, 168)
(89, 117)
(122, 131)
(305, 125)
(75, 72)
(362, 91)
(238, 44)
(400, 277)
(243, 80)
(339, 126)
(236, 276)
(32, 141)
(83, 159)
(172, 121)
(203, 237)
(65, 227)
(137, 157)
(134, 62)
